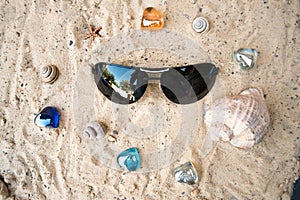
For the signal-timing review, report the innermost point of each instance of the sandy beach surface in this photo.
(43, 163)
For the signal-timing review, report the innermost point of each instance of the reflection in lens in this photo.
(120, 84)
(184, 85)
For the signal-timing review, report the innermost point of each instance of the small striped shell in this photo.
(93, 130)
(242, 120)
(200, 25)
(49, 74)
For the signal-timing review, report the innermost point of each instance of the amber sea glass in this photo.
(152, 19)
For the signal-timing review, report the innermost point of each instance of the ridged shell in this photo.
(242, 120)
(93, 130)
(200, 25)
(49, 74)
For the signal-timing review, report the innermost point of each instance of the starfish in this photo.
(93, 33)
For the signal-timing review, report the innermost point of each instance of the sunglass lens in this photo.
(188, 84)
(120, 84)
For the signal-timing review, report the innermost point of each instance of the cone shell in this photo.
(49, 74)
(93, 130)
(242, 120)
(200, 25)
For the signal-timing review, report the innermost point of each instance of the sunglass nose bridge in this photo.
(155, 70)
(154, 74)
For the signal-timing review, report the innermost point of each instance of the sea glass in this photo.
(152, 19)
(245, 57)
(48, 117)
(186, 173)
(129, 159)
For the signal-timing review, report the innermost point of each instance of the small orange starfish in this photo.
(93, 33)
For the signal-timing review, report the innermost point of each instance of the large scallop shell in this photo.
(93, 130)
(242, 120)
(49, 74)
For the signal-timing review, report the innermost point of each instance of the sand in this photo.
(40, 163)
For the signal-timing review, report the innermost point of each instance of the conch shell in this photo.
(242, 120)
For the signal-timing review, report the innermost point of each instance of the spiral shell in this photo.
(49, 74)
(242, 120)
(200, 25)
(93, 130)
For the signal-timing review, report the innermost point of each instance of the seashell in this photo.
(49, 74)
(200, 25)
(93, 130)
(242, 120)
(111, 138)
(4, 192)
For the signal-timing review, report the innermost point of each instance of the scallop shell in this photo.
(49, 74)
(93, 130)
(200, 25)
(242, 120)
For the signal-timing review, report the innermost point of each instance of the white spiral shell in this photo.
(49, 74)
(93, 130)
(200, 25)
(242, 120)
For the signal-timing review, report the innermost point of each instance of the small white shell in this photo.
(93, 130)
(200, 25)
(242, 120)
(49, 74)
(4, 192)
(111, 138)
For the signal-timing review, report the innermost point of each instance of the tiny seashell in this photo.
(2, 121)
(242, 120)
(4, 192)
(111, 138)
(49, 74)
(93, 130)
(200, 25)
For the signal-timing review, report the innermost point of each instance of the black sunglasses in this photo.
(181, 85)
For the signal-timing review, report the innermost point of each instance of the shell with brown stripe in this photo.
(242, 120)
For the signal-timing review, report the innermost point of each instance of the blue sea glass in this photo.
(129, 159)
(48, 117)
